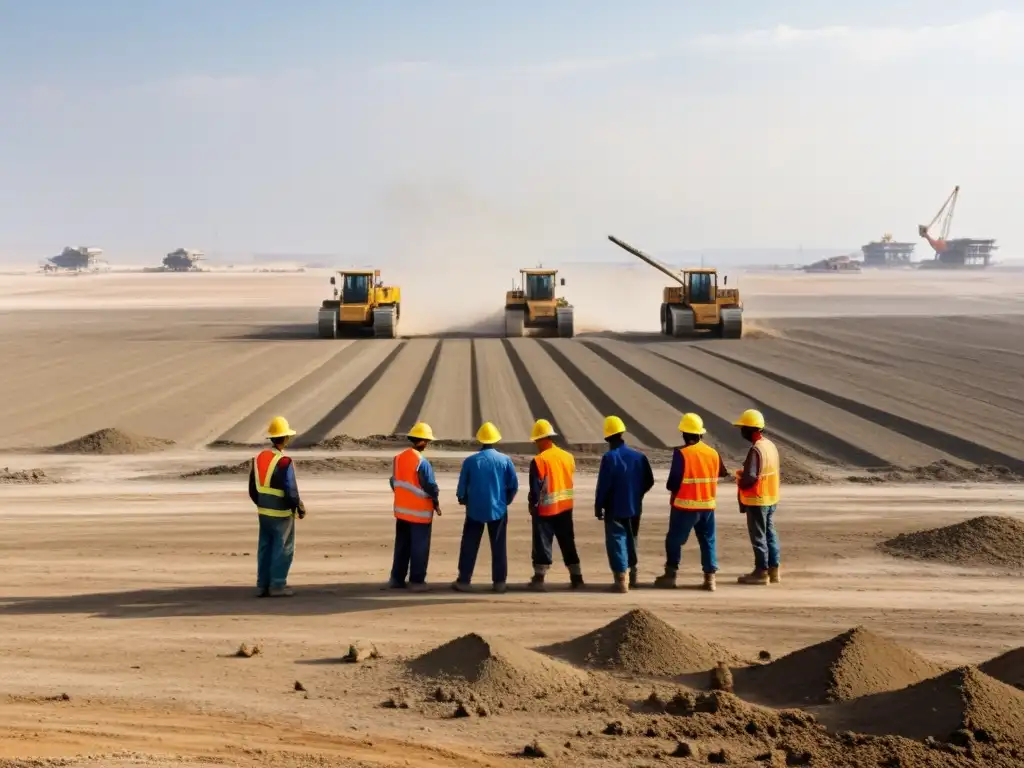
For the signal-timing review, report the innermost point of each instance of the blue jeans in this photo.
(275, 551)
(472, 535)
(412, 552)
(620, 541)
(680, 523)
(763, 538)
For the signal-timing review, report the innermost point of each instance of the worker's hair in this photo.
(689, 438)
(277, 441)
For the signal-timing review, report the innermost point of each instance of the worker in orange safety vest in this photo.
(273, 490)
(415, 501)
(550, 502)
(758, 484)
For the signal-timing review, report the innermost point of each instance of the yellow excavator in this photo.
(361, 304)
(696, 302)
(533, 305)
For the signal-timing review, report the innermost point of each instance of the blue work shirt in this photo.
(425, 474)
(625, 476)
(487, 485)
(283, 479)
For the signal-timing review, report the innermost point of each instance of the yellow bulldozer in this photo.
(697, 302)
(533, 305)
(361, 304)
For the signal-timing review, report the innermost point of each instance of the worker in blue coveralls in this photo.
(623, 480)
(487, 485)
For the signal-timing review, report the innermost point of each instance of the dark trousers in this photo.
(763, 538)
(275, 551)
(546, 530)
(412, 551)
(472, 535)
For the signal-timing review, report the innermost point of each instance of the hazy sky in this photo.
(327, 126)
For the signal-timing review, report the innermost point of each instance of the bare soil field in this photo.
(127, 560)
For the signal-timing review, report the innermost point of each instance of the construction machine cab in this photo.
(355, 287)
(534, 304)
(540, 285)
(362, 302)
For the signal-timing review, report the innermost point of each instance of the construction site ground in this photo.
(127, 586)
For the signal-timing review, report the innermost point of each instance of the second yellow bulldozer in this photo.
(534, 305)
(697, 302)
(362, 304)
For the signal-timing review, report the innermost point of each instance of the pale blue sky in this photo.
(464, 127)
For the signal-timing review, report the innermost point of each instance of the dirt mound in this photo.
(962, 699)
(502, 672)
(112, 441)
(796, 472)
(25, 477)
(941, 471)
(989, 540)
(1007, 668)
(856, 663)
(642, 644)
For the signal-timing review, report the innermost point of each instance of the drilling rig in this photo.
(957, 253)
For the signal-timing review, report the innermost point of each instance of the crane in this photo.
(946, 214)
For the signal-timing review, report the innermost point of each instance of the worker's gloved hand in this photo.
(301, 510)
(437, 508)
(599, 514)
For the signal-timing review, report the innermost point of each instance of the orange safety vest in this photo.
(412, 503)
(269, 501)
(765, 491)
(699, 485)
(555, 468)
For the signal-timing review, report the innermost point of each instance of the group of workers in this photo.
(488, 485)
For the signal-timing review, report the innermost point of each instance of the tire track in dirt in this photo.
(943, 441)
(441, 396)
(476, 411)
(511, 393)
(382, 408)
(362, 386)
(651, 421)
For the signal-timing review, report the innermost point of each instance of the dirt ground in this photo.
(127, 588)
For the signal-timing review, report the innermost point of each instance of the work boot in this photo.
(709, 582)
(634, 578)
(774, 576)
(756, 576)
(392, 584)
(576, 580)
(460, 586)
(418, 586)
(621, 585)
(262, 592)
(667, 580)
(499, 587)
(281, 592)
(537, 583)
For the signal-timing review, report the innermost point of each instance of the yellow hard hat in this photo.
(750, 418)
(613, 425)
(421, 430)
(279, 428)
(488, 434)
(692, 424)
(541, 429)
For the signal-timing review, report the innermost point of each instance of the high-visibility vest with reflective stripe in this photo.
(556, 468)
(412, 503)
(765, 492)
(699, 483)
(269, 501)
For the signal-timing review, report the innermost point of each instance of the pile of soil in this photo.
(112, 441)
(856, 663)
(25, 477)
(964, 699)
(640, 643)
(942, 471)
(989, 540)
(795, 472)
(503, 673)
(1007, 668)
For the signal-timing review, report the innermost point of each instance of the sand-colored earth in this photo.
(127, 566)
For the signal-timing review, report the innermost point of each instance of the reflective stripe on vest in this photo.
(555, 468)
(765, 492)
(699, 484)
(412, 503)
(269, 501)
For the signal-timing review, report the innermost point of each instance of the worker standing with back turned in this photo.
(487, 485)
(623, 479)
(551, 502)
(758, 484)
(273, 490)
(693, 485)
(416, 501)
